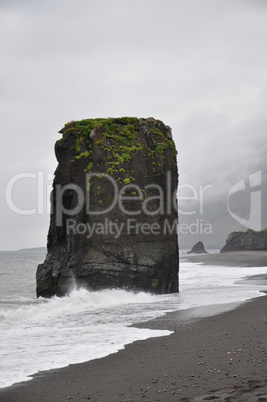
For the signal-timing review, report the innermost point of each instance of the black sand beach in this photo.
(221, 357)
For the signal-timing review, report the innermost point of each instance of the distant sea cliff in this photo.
(246, 241)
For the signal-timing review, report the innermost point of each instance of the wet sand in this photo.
(221, 357)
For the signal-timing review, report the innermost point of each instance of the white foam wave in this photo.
(78, 301)
(82, 326)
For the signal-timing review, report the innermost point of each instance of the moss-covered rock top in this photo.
(120, 138)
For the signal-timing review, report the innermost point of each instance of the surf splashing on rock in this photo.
(79, 327)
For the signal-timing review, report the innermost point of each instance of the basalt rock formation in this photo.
(113, 217)
(247, 241)
(197, 248)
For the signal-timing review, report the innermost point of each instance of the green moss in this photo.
(78, 147)
(164, 143)
(82, 155)
(120, 140)
(159, 148)
(60, 140)
(89, 167)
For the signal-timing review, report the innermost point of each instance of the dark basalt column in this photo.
(113, 209)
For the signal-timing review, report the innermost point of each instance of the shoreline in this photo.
(230, 259)
(217, 355)
(219, 347)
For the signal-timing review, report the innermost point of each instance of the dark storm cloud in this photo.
(200, 66)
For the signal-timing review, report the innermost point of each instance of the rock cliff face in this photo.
(248, 241)
(197, 248)
(113, 209)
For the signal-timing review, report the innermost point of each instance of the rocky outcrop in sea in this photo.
(198, 248)
(113, 209)
(247, 241)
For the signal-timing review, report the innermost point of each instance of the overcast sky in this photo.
(200, 66)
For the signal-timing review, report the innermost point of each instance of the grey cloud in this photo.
(198, 66)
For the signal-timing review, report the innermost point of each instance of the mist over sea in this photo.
(42, 334)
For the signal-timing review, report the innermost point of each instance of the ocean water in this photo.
(44, 334)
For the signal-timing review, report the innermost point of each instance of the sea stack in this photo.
(198, 248)
(113, 220)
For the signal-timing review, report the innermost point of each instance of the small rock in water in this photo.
(198, 248)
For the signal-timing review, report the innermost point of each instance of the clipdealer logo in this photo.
(191, 201)
(254, 184)
(151, 201)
